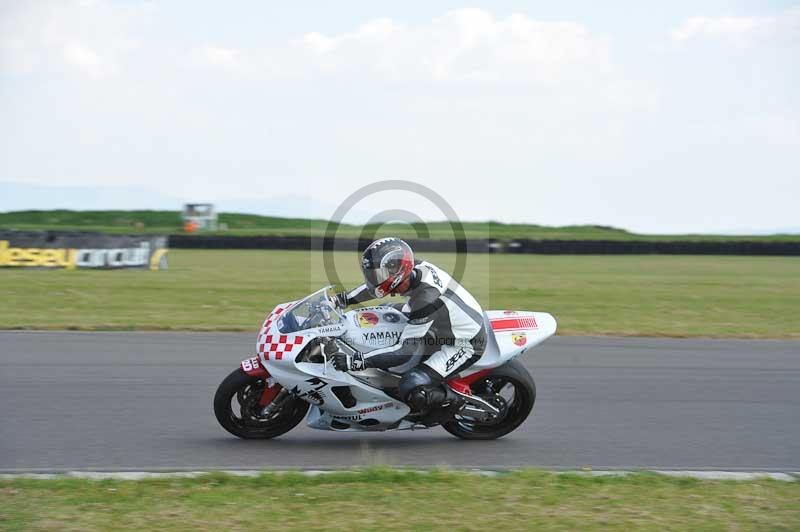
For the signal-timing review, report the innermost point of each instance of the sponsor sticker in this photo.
(331, 329)
(391, 317)
(375, 408)
(436, 280)
(519, 338)
(451, 362)
(354, 417)
(141, 255)
(367, 319)
(381, 336)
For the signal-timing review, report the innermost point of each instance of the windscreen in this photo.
(314, 311)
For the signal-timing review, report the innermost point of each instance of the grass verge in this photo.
(389, 499)
(653, 295)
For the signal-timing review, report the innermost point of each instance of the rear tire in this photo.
(524, 395)
(240, 391)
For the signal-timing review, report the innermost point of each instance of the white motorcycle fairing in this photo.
(342, 401)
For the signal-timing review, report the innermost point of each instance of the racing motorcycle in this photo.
(291, 376)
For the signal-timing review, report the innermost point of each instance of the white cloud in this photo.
(464, 45)
(736, 29)
(739, 31)
(83, 58)
(222, 57)
(86, 37)
(524, 111)
(528, 61)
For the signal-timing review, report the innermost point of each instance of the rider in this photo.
(441, 313)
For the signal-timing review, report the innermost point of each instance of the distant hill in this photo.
(169, 222)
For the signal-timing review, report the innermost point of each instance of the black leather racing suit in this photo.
(443, 316)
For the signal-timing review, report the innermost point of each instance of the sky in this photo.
(659, 117)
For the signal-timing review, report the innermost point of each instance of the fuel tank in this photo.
(373, 328)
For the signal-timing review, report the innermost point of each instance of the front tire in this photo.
(512, 377)
(238, 411)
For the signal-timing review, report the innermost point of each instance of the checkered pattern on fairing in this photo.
(275, 345)
(272, 344)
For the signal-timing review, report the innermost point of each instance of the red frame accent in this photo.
(269, 394)
(257, 370)
(462, 384)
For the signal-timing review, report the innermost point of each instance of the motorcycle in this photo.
(291, 377)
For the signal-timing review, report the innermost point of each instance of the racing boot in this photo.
(435, 404)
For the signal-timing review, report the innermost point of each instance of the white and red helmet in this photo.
(386, 263)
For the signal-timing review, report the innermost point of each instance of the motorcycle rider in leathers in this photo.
(444, 320)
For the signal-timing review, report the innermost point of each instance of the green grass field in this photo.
(166, 222)
(655, 295)
(396, 500)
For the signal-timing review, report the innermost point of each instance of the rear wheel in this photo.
(511, 389)
(237, 408)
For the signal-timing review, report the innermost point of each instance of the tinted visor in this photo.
(389, 265)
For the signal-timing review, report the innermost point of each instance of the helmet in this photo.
(386, 263)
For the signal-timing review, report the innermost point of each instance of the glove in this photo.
(345, 362)
(339, 300)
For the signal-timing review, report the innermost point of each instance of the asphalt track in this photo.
(142, 401)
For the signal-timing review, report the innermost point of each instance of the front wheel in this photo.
(237, 408)
(511, 388)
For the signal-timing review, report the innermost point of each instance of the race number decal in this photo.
(250, 364)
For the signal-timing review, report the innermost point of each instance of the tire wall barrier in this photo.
(546, 247)
(318, 243)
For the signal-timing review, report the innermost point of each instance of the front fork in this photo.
(252, 366)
